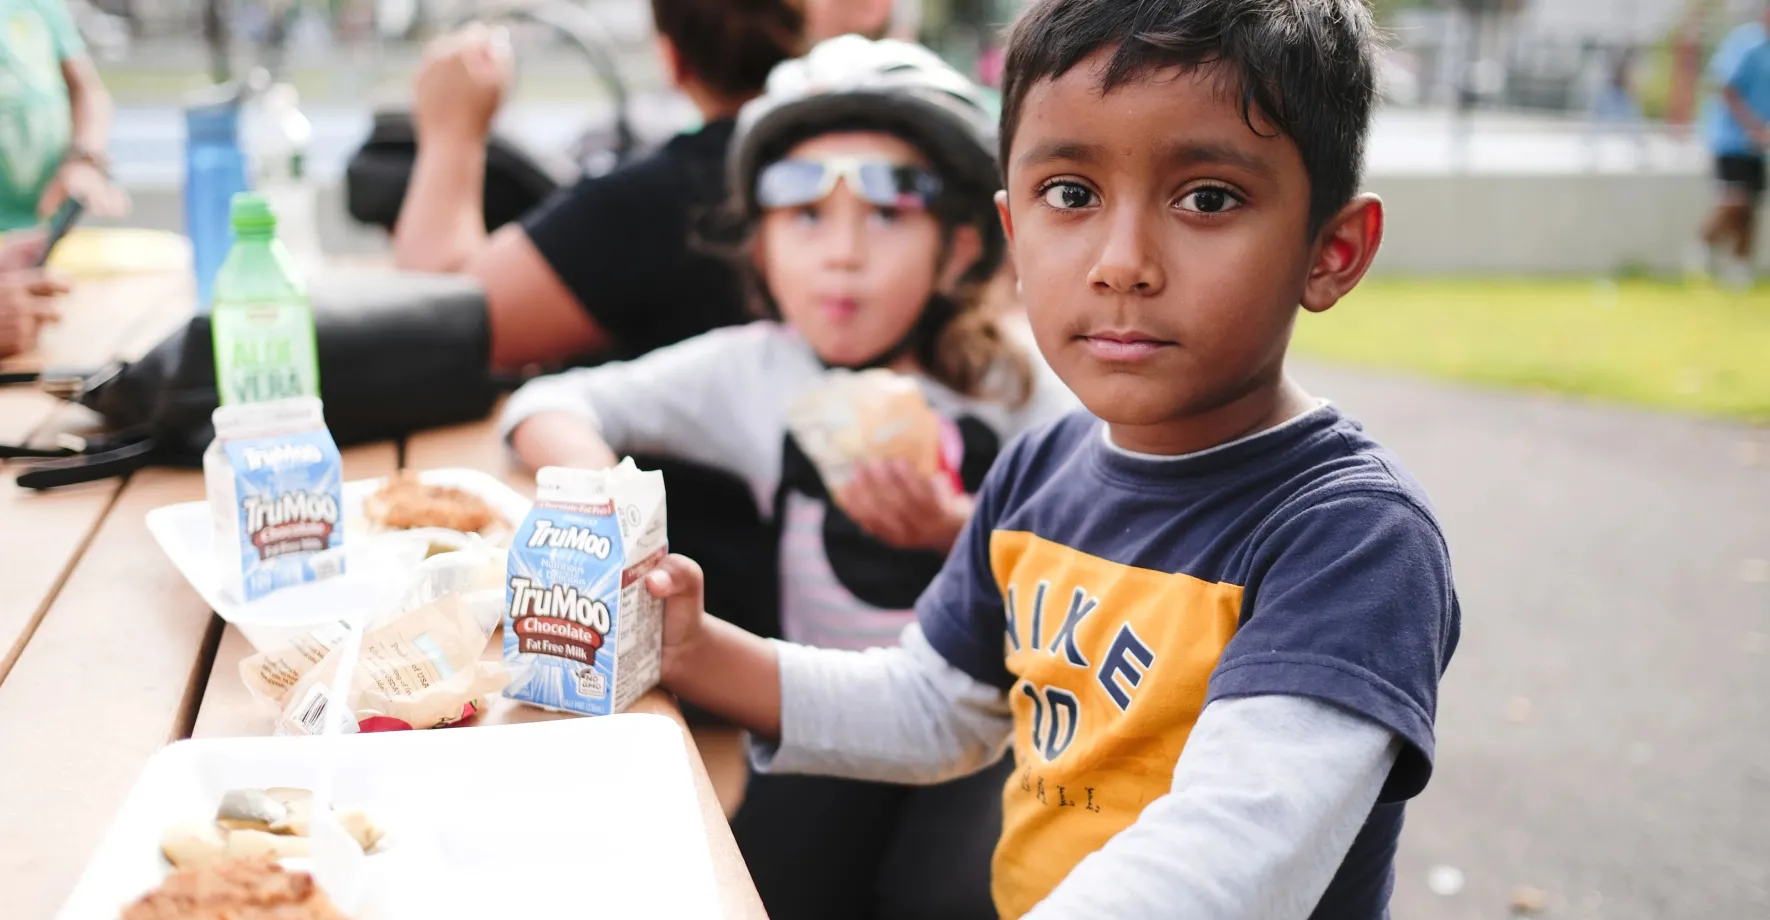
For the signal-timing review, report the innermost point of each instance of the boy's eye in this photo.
(1067, 196)
(1209, 200)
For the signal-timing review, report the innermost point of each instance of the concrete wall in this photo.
(1527, 225)
(1479, 224)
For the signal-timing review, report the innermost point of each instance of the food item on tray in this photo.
(405, 502)
(418, 667)
(251, 810)
(275, 486)
(581, 633)
(269, 823)
(245, 888)
(870, 415)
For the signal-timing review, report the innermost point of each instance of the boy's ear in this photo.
(962, 253)
(1007, 219)
(1343, 252)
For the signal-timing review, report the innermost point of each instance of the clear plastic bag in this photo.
(419, 666)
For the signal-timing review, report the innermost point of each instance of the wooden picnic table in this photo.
(107, 655)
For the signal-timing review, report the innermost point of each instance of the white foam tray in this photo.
(186, 533)
(570, 818)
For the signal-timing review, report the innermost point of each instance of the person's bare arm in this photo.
(535, 318)
(83, 175)
(89, 102)
(454, 97)
(442, 221)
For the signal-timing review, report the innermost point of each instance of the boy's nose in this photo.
(1129, 260)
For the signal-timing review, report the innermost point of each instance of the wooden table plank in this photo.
(45, 533)
(112, 674)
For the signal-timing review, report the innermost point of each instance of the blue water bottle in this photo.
(214, 170)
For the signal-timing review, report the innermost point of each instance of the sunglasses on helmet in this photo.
(796, 183)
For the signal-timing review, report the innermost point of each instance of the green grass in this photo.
(1686, 348)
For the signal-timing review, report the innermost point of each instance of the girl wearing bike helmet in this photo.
(863, 180)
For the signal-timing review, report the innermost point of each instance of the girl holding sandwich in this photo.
(863, 182)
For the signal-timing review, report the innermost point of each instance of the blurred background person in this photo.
(1738, 133)
(605, 265)
(55, 118)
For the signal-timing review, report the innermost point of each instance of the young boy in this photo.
(1212, 614)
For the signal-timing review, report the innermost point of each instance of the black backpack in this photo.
(398, 353)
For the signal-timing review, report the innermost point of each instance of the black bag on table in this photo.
(398, 353)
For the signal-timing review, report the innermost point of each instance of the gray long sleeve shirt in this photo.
(1267, 796)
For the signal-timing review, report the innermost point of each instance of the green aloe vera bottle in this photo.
(261, 322)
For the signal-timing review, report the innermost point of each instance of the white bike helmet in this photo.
(853, 84)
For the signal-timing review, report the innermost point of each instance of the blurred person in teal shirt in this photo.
(1738, 132)
(55, 118)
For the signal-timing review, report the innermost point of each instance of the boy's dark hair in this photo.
(1306, 65)
(731, 45)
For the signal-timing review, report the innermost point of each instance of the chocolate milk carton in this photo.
(275, 484)
(581, 632)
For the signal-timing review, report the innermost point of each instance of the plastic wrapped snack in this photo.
(419, 667)
(581, 633)
(866, 415)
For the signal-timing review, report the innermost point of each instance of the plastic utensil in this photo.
(337, 858)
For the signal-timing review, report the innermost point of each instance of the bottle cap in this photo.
(251, 213)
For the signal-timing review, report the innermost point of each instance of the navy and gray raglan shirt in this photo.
(1206, 651)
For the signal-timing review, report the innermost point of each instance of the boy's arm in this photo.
(1267, 799)
(901, 715)
(894, 715)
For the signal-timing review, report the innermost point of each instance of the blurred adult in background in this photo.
(27, 295)
(605, 265)
(55, 118)
(1738, 134)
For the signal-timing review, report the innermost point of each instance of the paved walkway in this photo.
(1605, 726)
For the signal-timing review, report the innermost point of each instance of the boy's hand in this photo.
(710, 663)
(678, 582)
(905, 509)
(461, 84)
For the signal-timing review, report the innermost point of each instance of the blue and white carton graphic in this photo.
(275, 486)
(581, 632)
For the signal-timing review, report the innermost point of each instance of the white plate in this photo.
(570, 818)
(186, 533)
